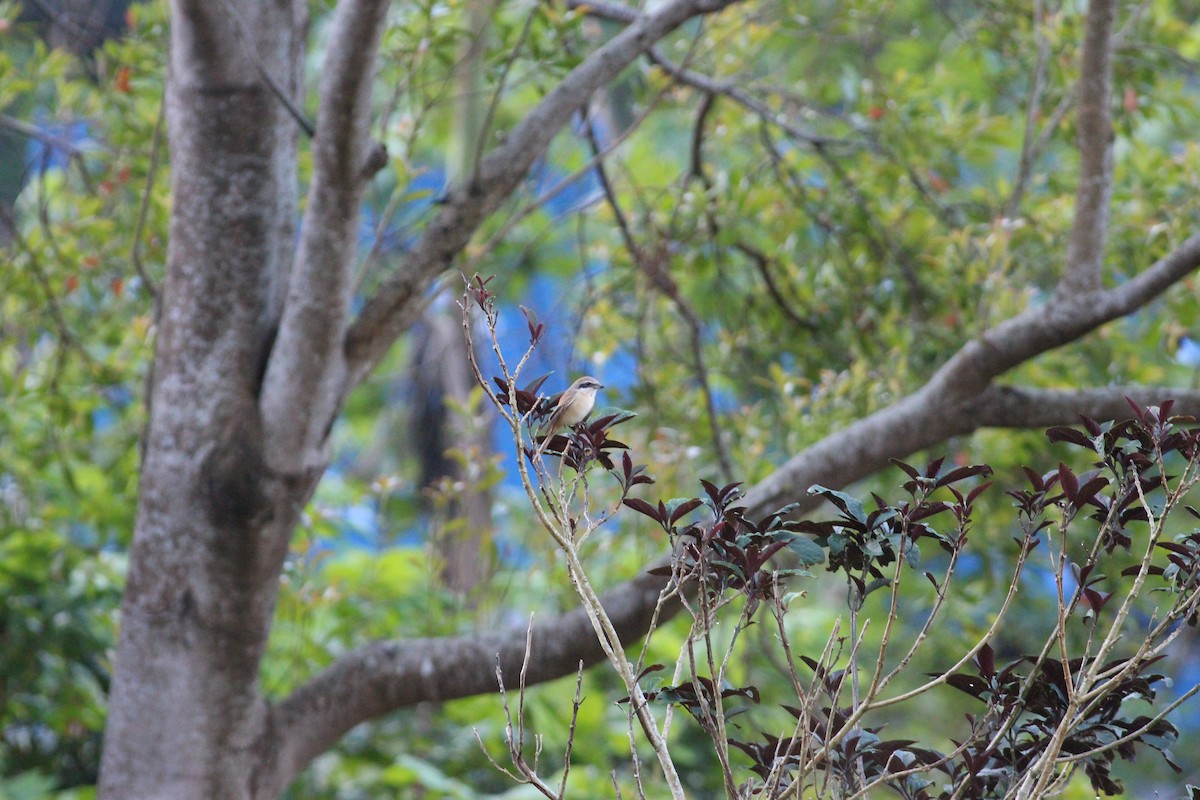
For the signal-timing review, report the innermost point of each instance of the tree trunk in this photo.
(255, 352)
(213, 521)
(441, 421)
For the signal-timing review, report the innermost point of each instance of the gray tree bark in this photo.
(255, 353)
(256, 350)
(214, 516)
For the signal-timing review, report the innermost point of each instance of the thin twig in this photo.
(239, 25)
(135, 253)
(33, 132)
(490, 116)
(654, 265)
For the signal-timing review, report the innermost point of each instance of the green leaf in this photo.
(849, 505)
(808, 551)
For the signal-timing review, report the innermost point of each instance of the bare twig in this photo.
(135, 253)
(284, 97)
(654, 264)
(576, 703)
(33, 132)
(732, 89)
(763, 264)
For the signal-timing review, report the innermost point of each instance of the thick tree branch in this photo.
(948, 404)
(385, 676)
(1042, 328)
(934, 423)
(1089, 231)
(1028, 407)
(303, 386)
(392, 309)
(959, 399)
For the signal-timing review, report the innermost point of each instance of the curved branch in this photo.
(384, 676)
(949, 404)
(1028, 407)
(387, 314)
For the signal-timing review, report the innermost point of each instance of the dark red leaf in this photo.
(978, 490)
(535, 328)
(986, 659)
(1035, 480)
(1068, 481)
(1061, 433)
(536, 384)
(966, 683)
(684, 508)
(1137, 409)
(642, 507)
(652, 668)
(1088, 490)
(962, 473)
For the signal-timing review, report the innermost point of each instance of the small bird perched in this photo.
(573, 406)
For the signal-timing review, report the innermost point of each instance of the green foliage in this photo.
(57, 628)
(834, 249)
(1044, 720)
(75, 326)
(832, 278)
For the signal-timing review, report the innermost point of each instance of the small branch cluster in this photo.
(728, 557)
(564, 506)
(1045, 716)
(524, 770)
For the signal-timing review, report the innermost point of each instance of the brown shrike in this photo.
(573, 406)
